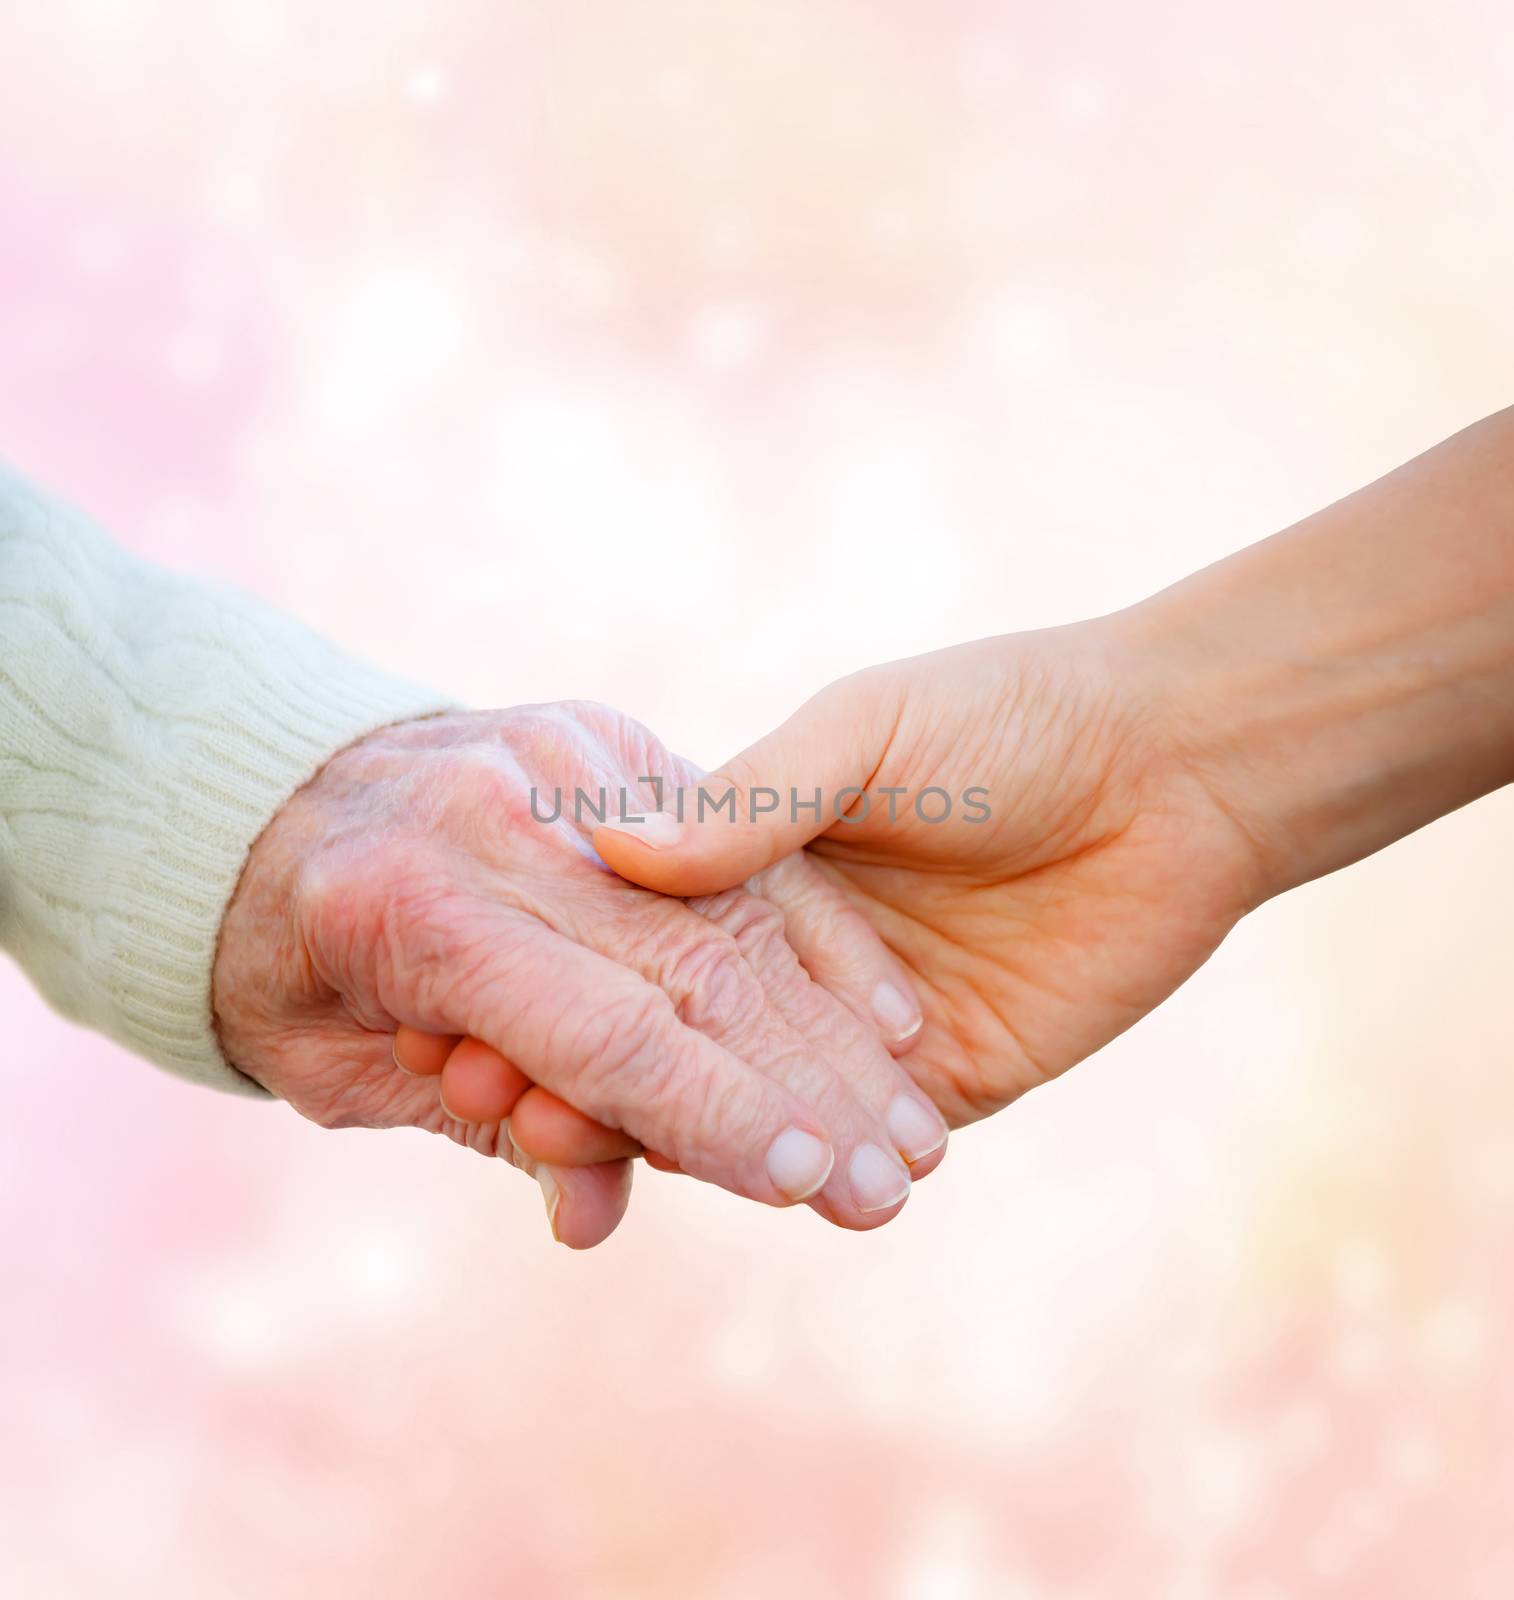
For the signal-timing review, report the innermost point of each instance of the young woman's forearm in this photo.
(1351, 679)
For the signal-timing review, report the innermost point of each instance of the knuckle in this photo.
(756, 926)
(636, 1071)
(392, 924)
(338, 906)
(740, 775)
(485, 798)
(593, 714)
(548, 732)
(711, 984)
(535, 730)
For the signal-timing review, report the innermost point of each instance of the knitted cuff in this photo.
(283, 710)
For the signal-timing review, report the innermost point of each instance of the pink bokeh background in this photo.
(685, 356)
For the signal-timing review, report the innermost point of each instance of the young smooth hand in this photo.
(1053, 830)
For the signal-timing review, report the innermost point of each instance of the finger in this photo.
(584, 1204)
(549, 1129)
(476, 1089)
(481, 1089)
(662, 1163)
(766, 796)
(841, 950)
(479, 1085)
(594, 1200)
(420, 1053)
(910, 1129)
(604, 1039)
(583, 1207)
(726, 966)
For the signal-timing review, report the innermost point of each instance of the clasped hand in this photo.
(411, 945)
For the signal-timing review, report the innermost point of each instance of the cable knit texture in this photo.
(150, 727)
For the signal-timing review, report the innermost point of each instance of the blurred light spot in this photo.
(728, 237)
(234, 198)
(607, 488)
(1413, 1459)
(237, 1321)
(397, 330)
(256, 27)
(381, 1270)
(983, 62)
(892, 228)
(1223, 1478)
(1019, 335)
(1359, 1359)
(1361, 1274)
(1456, 1338)
(945, 1561)
(723, 337)
(426, 85)
(588, 285)
(1081, 97)
(104, 15)
(413, 318)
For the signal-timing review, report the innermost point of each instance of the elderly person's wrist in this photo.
(162, 721)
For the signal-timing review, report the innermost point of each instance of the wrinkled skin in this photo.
(409, 885)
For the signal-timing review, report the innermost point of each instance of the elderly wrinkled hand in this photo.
(422, 882)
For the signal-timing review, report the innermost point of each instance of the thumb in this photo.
(791, 786)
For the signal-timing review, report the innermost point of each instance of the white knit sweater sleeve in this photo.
(150, 726)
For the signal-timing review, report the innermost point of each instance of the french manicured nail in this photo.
(898, 1016)
(878, 1181)
(799, 1163)
(657, 829)
(552, 1195)
(917, 1130)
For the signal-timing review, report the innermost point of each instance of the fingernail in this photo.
(898, 1016)
(878, 1181)
(658, 829)
(552, 1195)
(916, 1129)
(799, 1163)
(394, 1050)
